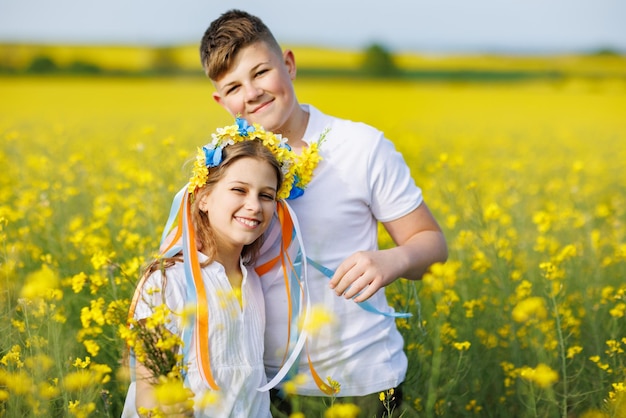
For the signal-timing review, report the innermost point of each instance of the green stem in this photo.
(434, 377)
(562, 355)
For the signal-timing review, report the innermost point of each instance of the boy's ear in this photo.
(218, 98)
(290, 62)
(219, 101)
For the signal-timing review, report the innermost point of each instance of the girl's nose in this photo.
(253, 204)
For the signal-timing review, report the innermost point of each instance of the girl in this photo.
(224, 210)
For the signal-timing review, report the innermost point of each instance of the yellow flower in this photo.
(291, 387)
(618, 310)
(96, 281)
(102, 372)
(187, 314)
(78, 282)
(200, 173)
(81, 411)
(116, 312)
(19, 382)
(473, 406)
(209, 398)
(567, 252)
(100, 259)
(572, 351)
(523, 290)
(543, 376)
(603, 366)
(614, 347)
(13, 356)
(171, 391)
(4, 395)
(48, 391)
(342, 410)
(127, 334)
(82, 364)
(318, 318)
(168, 341)
(40, 362)
(160, 316)
(593, 413)
(441, 276)
(79, 380)
(42, 284)
(336, 386)
(462, 346)
(552, 270)
(19, 325)
(471, 305)
(93, 313)
(530, 308)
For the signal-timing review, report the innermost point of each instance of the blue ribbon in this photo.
(365, 304)
(173, 212)
(192, 296)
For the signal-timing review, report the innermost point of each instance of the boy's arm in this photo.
(419, 244)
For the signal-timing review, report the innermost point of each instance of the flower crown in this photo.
(297, 169)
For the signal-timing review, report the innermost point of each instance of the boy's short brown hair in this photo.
(227, 35)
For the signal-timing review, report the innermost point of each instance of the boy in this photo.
(360, 181)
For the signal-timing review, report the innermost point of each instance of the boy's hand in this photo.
(362, 274)
(419, 244)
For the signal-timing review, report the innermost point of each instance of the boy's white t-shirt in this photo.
(360, 180)
(235, 340)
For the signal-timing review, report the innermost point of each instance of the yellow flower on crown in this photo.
(297, 169)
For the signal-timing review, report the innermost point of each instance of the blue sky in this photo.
(418, 25)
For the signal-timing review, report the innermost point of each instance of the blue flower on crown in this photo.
(296, 191)
(213, 152)
(212, 156)
(243, 127)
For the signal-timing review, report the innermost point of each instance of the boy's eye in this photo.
(261, 72)
(232, 89)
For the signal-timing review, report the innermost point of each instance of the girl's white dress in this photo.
(235, 341)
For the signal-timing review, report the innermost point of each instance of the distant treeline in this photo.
(378, 62)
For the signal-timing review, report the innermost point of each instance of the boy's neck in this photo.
(298, 126)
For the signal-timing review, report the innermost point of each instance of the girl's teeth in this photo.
(248, 222)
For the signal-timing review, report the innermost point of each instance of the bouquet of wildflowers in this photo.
(154, 345)
(158, 349)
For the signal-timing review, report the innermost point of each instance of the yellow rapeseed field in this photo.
(528, 180)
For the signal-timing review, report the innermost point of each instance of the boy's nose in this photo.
(252, 92)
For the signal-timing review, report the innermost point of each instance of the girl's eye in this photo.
(261, 72)
(238, 190)
(267, 196)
